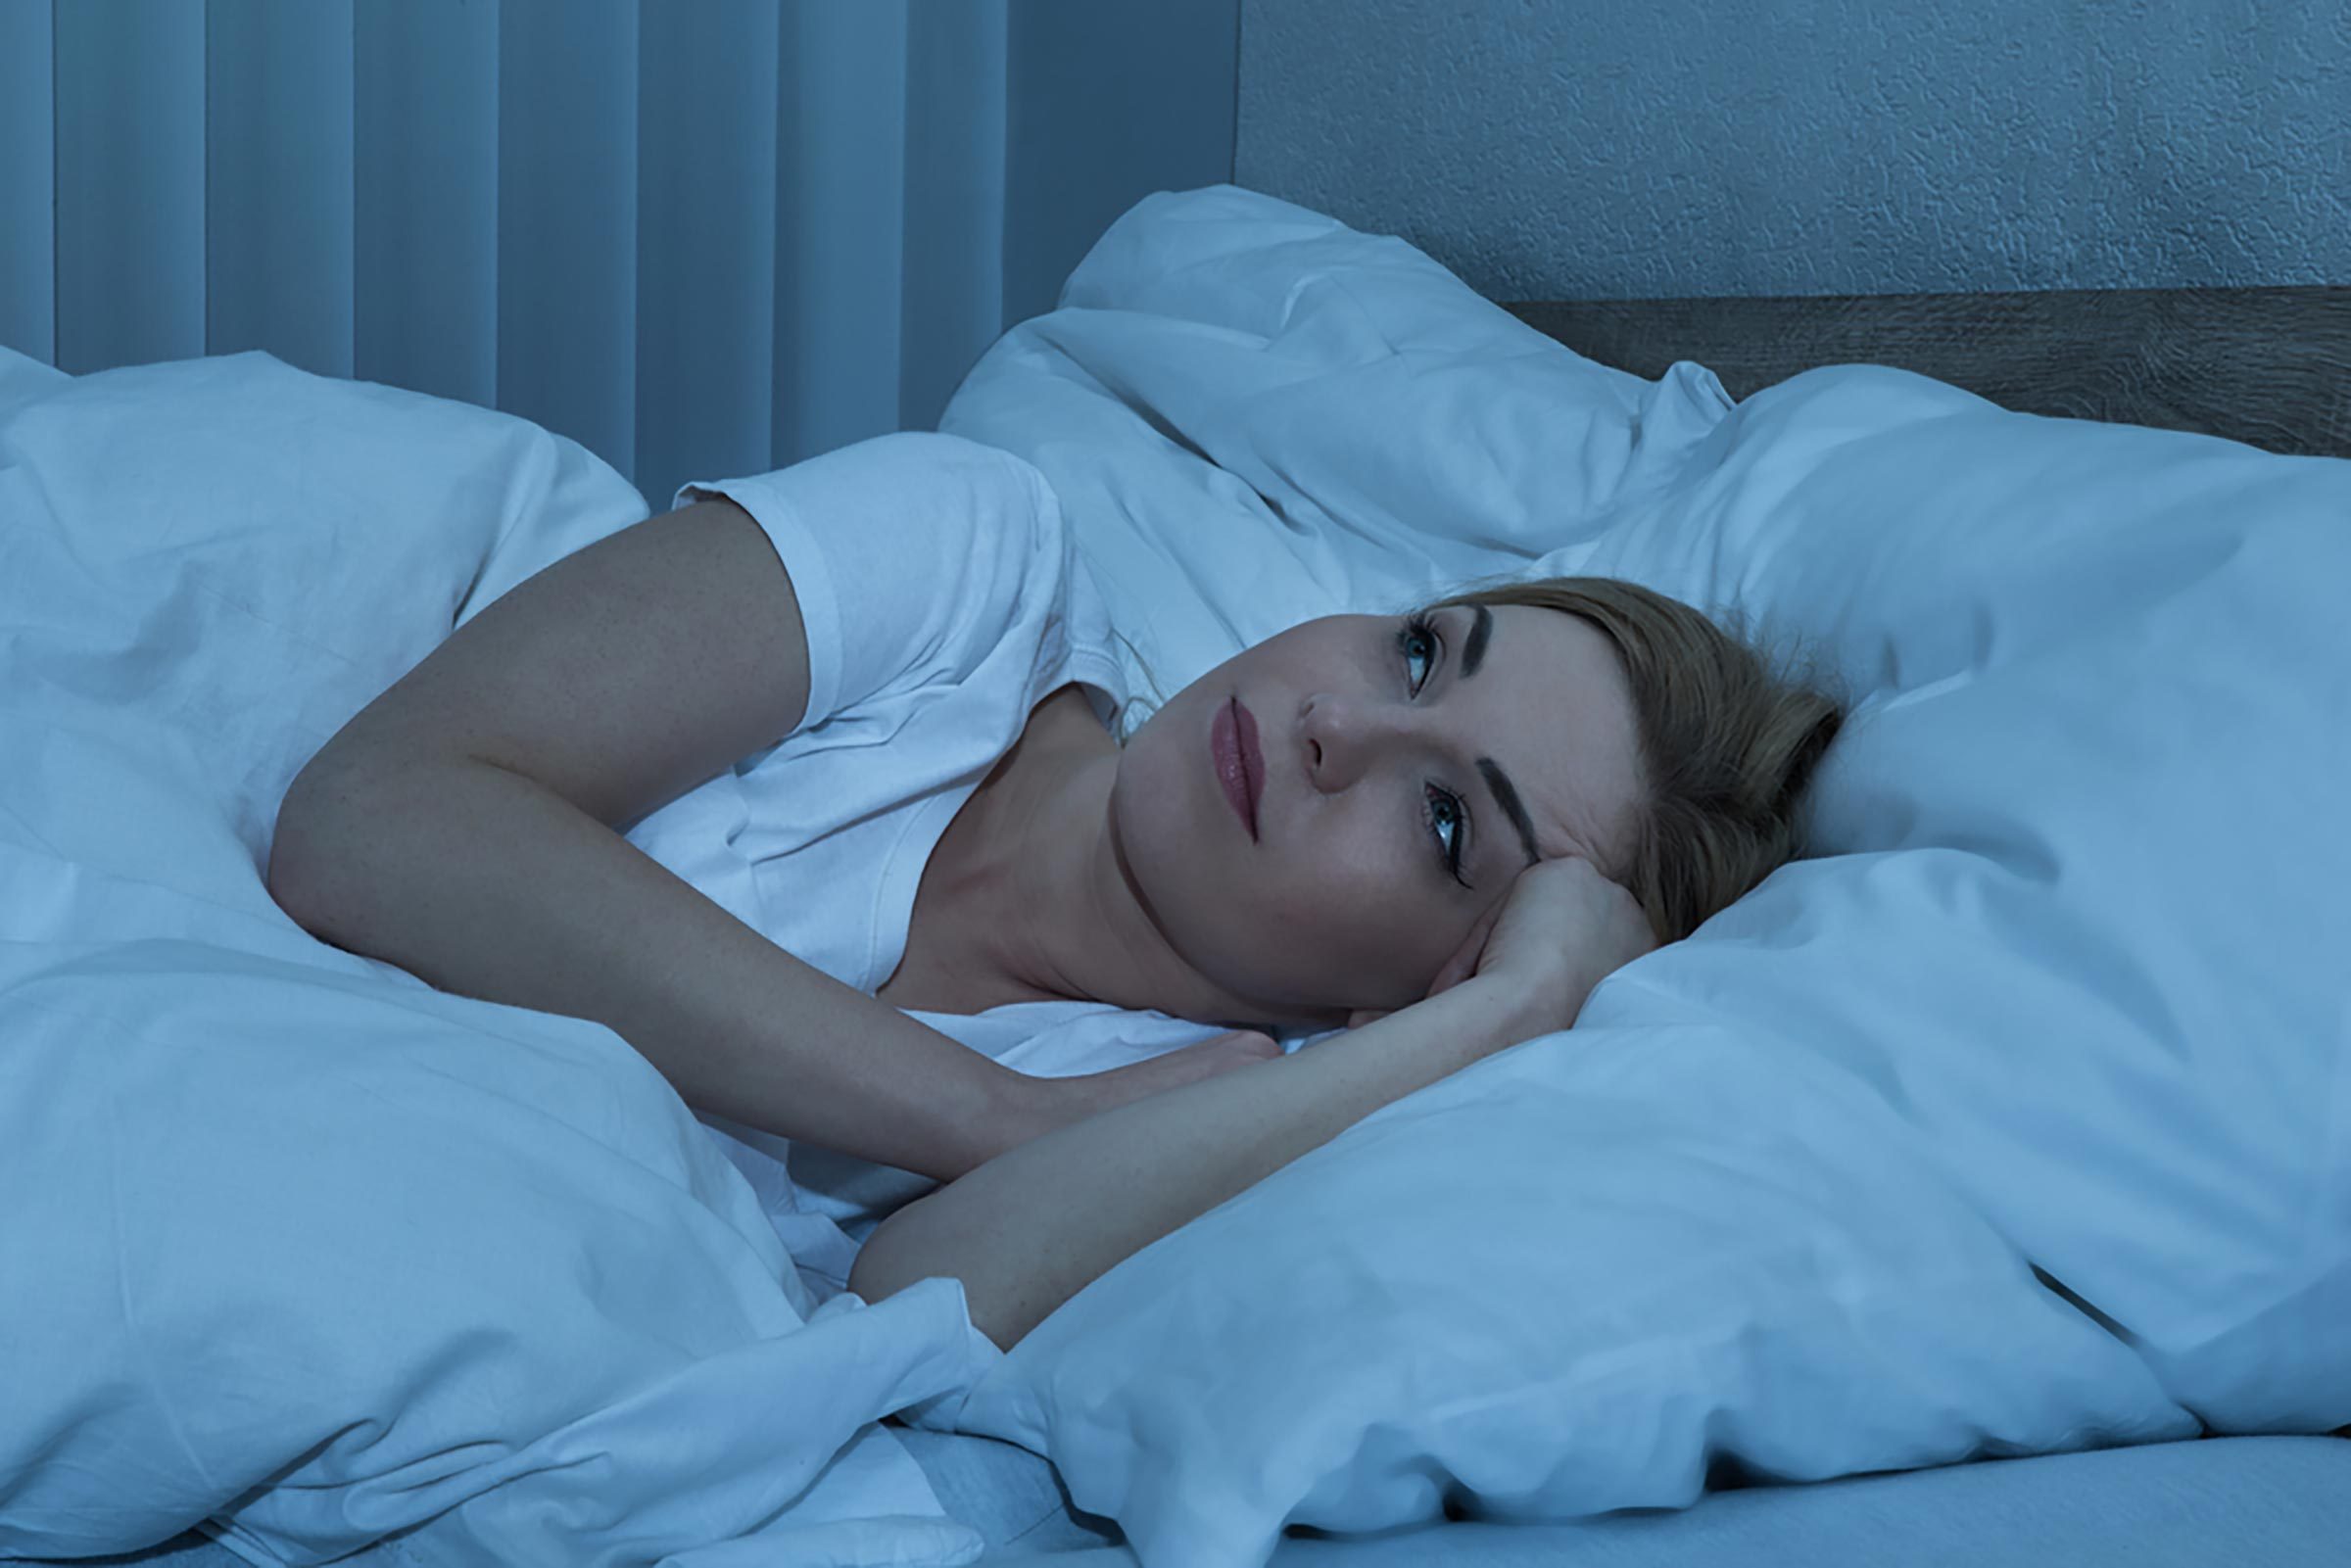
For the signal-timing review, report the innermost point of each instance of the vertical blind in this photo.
(699, 237)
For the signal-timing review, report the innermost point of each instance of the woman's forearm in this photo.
(483, 883)
(1032, 1227)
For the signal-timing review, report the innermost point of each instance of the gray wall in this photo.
(1559, 149)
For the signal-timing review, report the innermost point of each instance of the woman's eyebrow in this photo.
(1498, 782)
(1507, 797)
(1481, 631)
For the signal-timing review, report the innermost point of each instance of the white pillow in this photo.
(1224, 325)
(305, 542)
(2061, 1016)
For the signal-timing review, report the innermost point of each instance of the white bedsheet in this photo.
(295, 1239)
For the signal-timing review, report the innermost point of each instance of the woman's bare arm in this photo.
(1034, 1226)
(467, 826)
(487, 884)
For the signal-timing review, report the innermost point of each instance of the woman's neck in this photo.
(1058, 914)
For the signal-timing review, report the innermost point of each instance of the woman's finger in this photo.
(1254, 1043)
(1457, 970)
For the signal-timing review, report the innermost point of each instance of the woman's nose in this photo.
(1339, 737)
(1312, 719)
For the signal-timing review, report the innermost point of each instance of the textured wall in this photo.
(1552, 148)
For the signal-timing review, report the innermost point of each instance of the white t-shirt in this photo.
(943, 601)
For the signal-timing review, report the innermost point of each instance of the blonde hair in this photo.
(1727, 743)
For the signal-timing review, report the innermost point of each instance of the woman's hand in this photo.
(1560, 929)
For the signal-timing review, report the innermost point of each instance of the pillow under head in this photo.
(2012, 1123)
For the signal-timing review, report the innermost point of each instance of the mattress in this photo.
(2266, 1502)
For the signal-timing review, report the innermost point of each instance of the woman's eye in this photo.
(1440, 809)
(1445, 812)
(1417, 631)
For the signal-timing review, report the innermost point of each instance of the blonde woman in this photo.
(754, 779)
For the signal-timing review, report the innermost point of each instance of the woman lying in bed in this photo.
(1440, 830)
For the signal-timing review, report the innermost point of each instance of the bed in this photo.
(2044, 1442)
(2266, 366)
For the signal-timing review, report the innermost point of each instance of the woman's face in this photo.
(1383, 767)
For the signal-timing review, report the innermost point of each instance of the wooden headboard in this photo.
(2268, 367)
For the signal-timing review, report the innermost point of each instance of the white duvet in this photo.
(295, 1240)
(2059, 1018)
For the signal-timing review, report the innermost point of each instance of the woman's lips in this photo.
(1252, 757)
(1228, 753)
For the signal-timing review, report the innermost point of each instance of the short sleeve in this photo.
(912, 555)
